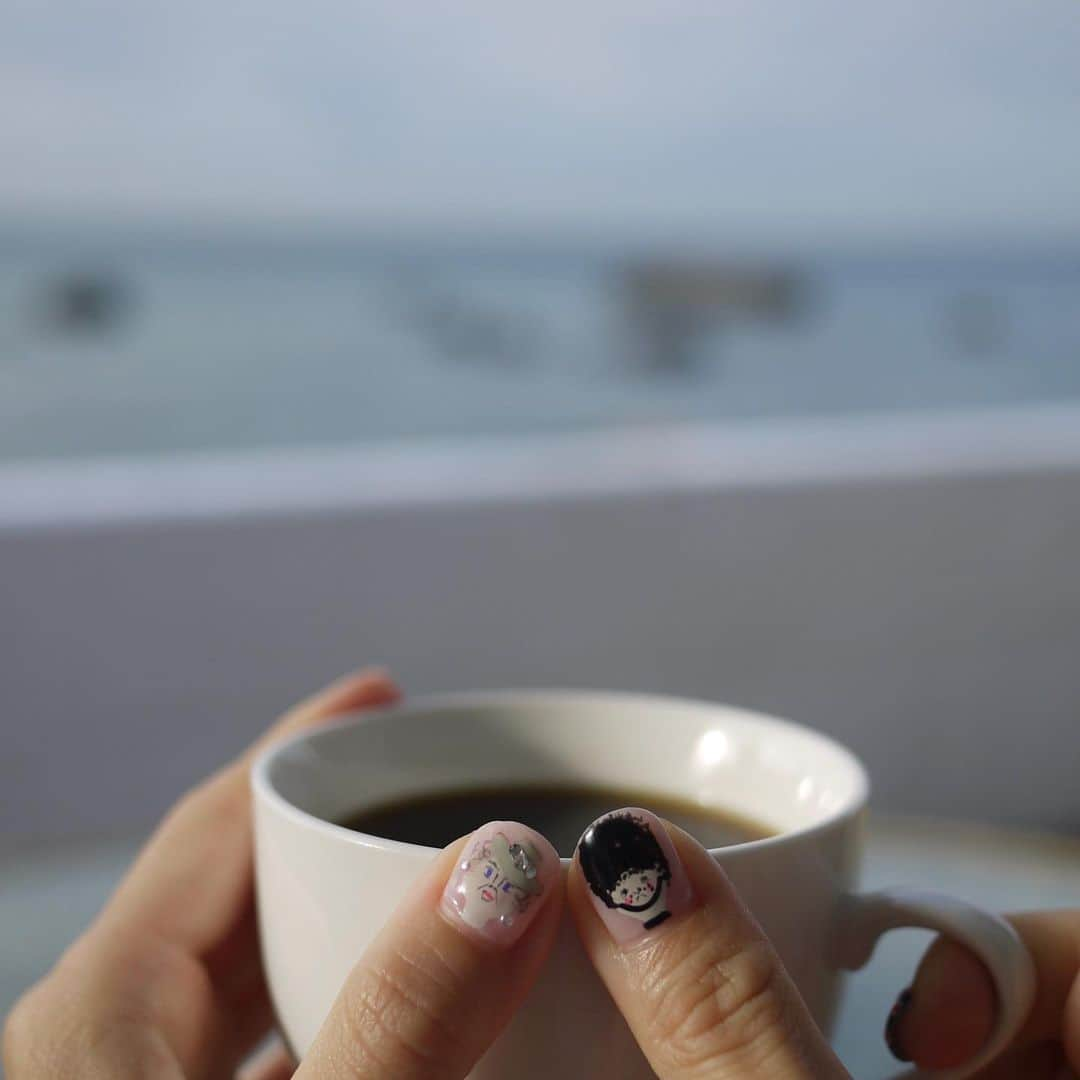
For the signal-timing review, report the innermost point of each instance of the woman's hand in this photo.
(168, 981)
(949, 1011)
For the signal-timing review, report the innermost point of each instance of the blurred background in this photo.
(348, 223)
(722, 350)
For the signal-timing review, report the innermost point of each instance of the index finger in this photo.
(195, 874)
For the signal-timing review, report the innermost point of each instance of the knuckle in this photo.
(398, 1016)
(713, 1007)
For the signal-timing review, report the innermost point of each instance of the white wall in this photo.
(912, 589)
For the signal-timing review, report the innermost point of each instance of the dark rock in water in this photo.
(734, 289)
(86, 302)
(670, 305)
(469, 333)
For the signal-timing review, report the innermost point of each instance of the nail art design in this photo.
(636, 879)
(500, 879)
(892, 1025)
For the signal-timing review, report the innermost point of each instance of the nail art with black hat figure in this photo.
(635, 877)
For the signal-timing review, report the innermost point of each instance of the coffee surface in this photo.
(560, 813)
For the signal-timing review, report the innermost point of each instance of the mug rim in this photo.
(264, 789)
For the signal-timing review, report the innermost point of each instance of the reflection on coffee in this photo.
(560, 813)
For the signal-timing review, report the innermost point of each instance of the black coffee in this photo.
(560, 813)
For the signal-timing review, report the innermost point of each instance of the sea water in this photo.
(188, 348)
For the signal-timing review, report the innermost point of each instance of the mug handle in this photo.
(864, 918)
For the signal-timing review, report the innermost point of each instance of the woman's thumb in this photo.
(448, 971)
(697, 981)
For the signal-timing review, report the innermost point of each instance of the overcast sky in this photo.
(754, 114)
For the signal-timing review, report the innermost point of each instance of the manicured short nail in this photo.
(636, 881)
(505, 873)
(892, 1025)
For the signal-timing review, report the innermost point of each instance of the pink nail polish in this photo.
(503, 877)
(636, 882)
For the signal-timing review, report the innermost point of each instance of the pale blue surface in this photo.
(229, 346)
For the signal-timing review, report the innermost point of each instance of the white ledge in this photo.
(619, 461)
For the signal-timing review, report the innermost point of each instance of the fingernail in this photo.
(636, 882)
(892, 1025)
(505, 873)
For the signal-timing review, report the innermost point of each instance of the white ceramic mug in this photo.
(324, 891)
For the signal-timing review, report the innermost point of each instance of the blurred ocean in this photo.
(158, 344)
